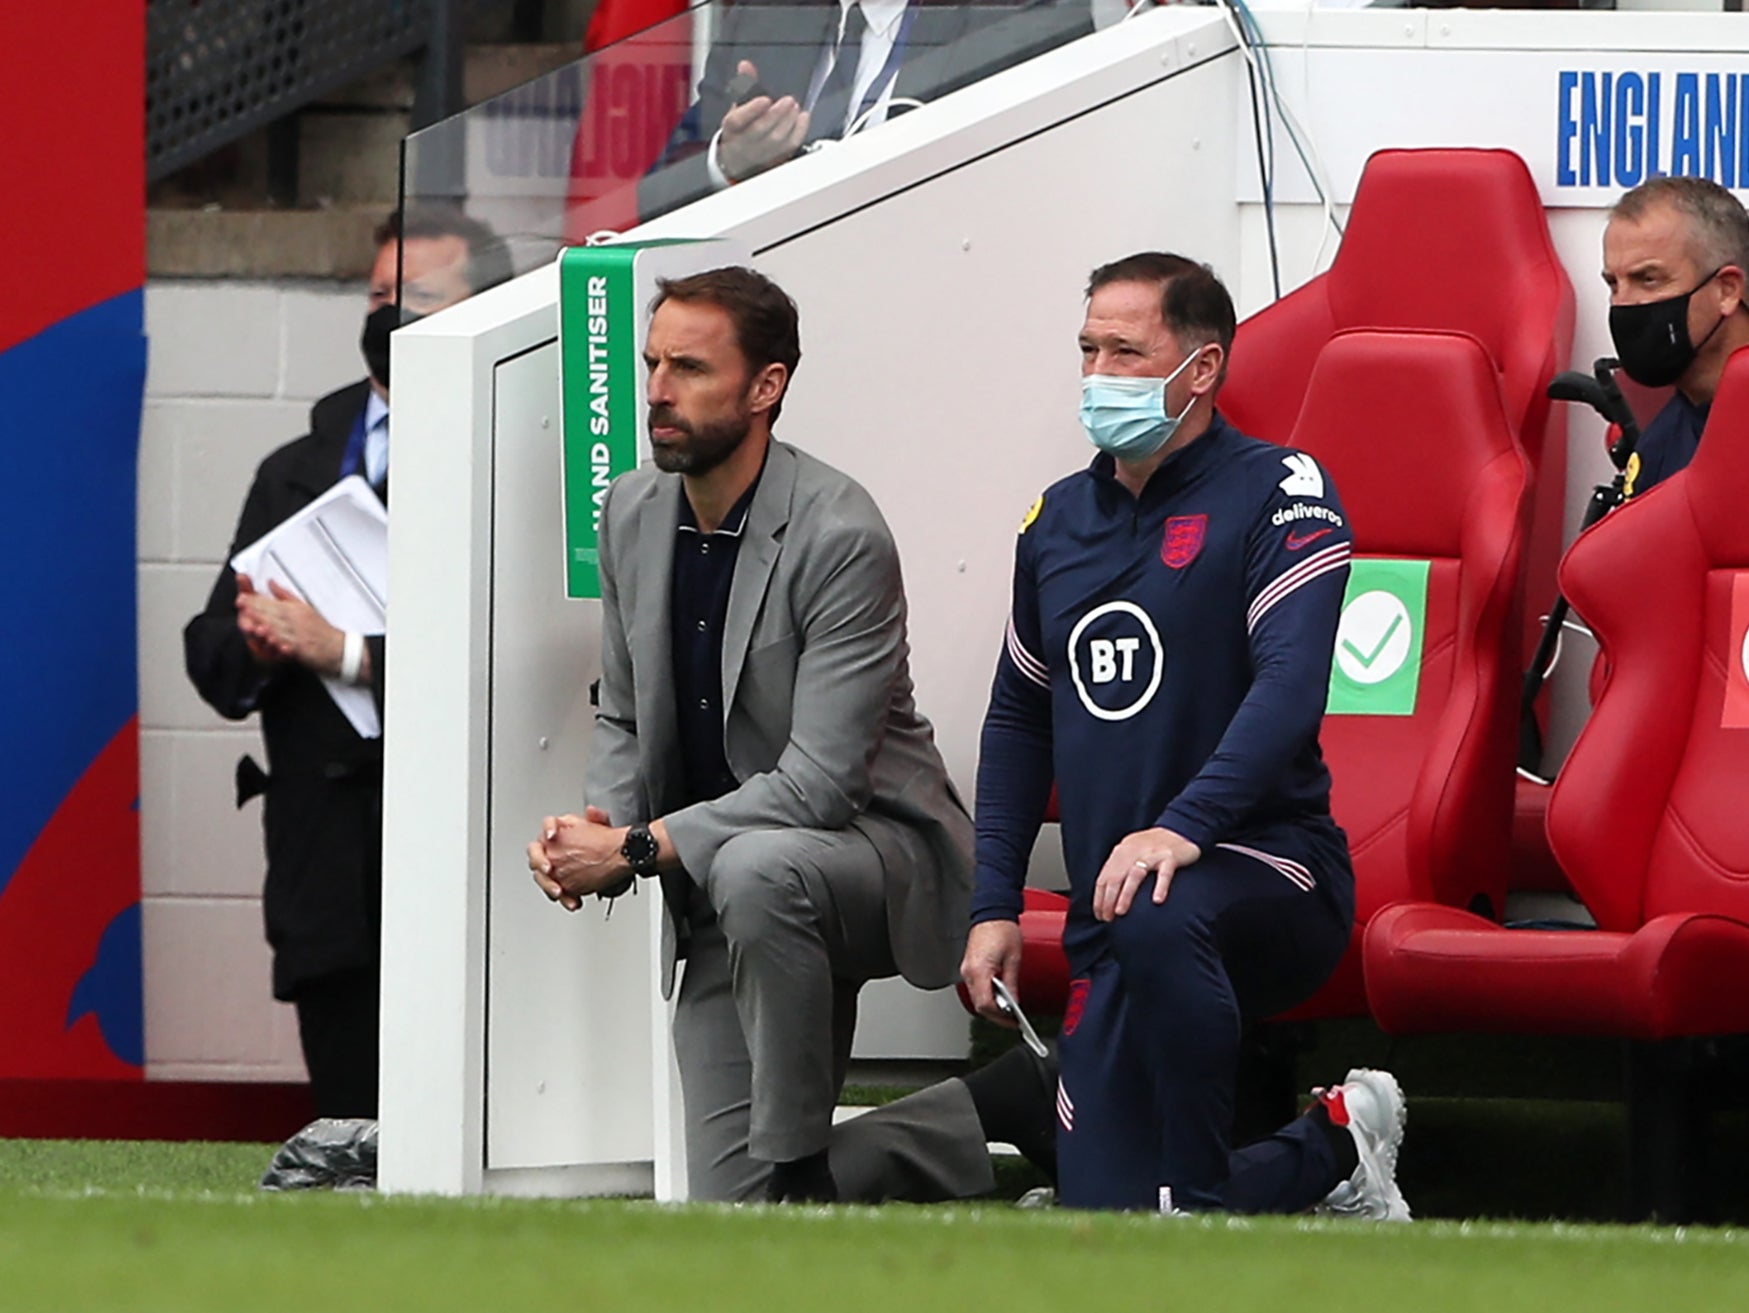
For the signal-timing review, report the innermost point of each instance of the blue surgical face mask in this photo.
(1126, 417)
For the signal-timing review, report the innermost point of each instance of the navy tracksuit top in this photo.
(1166, 662)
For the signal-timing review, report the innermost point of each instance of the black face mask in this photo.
(374, 341)
(1651, 339)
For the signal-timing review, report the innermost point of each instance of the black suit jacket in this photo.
(945, 47)
(323, 807)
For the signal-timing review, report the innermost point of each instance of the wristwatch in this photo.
(640, 850)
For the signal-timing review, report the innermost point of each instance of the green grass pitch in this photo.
(147, 1227)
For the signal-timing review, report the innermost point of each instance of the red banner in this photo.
(637, 91)
(614, 20)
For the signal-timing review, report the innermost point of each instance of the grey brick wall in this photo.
(233, 369)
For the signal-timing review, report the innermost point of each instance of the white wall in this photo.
(233, 368)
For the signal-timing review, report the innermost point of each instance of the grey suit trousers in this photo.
(926, 1148)
(786, 927)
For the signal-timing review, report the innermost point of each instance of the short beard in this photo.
(703, 449)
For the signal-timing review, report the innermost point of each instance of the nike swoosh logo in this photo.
(1295, 541)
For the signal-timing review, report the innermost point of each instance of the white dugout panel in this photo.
(939, 266)
(524, 1052)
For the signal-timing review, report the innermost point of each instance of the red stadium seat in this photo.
(1428, 470)
(1445, 239)
(1448, 239)
(1646, 819)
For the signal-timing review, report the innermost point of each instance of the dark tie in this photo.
(832, 105)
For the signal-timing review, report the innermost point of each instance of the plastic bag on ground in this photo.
(331, 1153)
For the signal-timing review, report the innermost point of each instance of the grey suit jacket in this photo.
(821, 728)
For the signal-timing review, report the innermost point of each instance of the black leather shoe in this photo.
(804, 1181)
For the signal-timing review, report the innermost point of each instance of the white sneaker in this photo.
(1370, 1104)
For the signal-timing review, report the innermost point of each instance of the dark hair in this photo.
(767, 327)
(1194, 304)
(1718, 227)
(488, 257)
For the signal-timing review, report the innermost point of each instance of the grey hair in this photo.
(1718, 226)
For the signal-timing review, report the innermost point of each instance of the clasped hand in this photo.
(576, 856)
(278, 625)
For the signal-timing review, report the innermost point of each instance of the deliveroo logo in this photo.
(1376, 670)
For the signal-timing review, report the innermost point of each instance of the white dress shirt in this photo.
(376, 439)
(884, 18)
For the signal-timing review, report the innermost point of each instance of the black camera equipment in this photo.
(1602, 393)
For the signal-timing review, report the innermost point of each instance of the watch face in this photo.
(640, 847)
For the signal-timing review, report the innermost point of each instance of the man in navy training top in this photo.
(1166, 663)
(1675, 255)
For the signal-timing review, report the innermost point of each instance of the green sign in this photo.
(598, 351)
(1376, 668)
(604, 299)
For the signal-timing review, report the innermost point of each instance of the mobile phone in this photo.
(1005, 1001)
(744, 87)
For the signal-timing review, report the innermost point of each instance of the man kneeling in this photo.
(757, 748)
(1166, 664)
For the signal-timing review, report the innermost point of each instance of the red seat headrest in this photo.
(1404, 421)
(1456, 239)
(1440, 239)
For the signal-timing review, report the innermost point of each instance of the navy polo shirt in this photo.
(1667, 445)
(704, 570)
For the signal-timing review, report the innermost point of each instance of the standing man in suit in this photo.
(250, 651)
(782, 76)
(757, 749)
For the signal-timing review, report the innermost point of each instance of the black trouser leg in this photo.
(337, 1025)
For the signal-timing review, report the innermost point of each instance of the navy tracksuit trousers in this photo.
(1150, 1041)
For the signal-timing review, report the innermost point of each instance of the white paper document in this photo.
(335, 555)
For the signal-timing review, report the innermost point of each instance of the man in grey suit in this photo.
(757, 748)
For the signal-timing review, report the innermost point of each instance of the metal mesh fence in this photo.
(217, 69)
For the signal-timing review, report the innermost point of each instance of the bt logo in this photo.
(1116, 660)
(1105, 652)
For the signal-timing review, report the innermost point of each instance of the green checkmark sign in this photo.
(1376, 666)
(1367, 658)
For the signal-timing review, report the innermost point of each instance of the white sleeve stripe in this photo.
(1297, 584)
(1331, 558)
(1025, 662)
(1296, 874)
(1289, 578)
(1030, 665)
